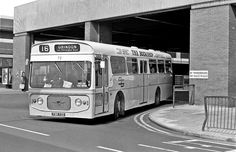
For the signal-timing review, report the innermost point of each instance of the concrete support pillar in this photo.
(209, 50)
(232, 51)
(98, 32)
(21, 55)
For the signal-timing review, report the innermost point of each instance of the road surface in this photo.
(133, 133)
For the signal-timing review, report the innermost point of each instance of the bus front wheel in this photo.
(119, 107)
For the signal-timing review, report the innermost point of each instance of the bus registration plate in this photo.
(58, 114)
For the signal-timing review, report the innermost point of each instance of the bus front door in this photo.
(101, 83)
(143, 72)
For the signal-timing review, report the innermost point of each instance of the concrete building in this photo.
(206, 29)
(6, 50)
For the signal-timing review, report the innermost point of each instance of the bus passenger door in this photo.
(143, 72)
(101, 84)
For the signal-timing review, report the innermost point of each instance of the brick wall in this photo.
(209, 49)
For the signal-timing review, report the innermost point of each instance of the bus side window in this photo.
(118, 65)
(153, 66)
(143, 66)
(132, 65)
(161, 66)
(168, 66)
(99, 77)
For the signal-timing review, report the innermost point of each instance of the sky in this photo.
(7, 6)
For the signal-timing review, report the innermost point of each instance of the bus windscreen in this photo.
(63, 74)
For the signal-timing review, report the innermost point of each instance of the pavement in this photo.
(188, 119)
(13, 97)
(183, 118)
(10, 91)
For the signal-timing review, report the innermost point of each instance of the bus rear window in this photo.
(118, 65)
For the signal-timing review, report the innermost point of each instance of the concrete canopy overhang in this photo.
(153, 30)
(43, 14)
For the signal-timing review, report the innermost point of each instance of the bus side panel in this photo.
(131, 87)
(166, 87)
(112, 96)
(133, 91)
(153, 84)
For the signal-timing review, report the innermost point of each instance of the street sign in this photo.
(198, 74)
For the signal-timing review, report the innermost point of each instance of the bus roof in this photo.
(109, 49)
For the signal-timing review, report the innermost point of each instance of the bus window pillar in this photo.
(98, 32)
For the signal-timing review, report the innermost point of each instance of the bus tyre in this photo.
(157, 97)
(119, 109)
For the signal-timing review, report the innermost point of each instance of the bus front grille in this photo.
(58, 102)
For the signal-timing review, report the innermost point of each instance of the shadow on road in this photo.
(102, 120)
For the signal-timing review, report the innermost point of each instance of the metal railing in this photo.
(185, 87)
(220, 112)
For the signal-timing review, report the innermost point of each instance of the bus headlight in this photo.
(78, 102)
(40, 101)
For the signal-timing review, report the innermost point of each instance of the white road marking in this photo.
(207, 146)
(141, 125)
(176, 142)
(109, 149)
(204, 145)
(159, 148)
(188, 147)
(234, 150)
(25, 130)
(148, 127)
(153, 129)
(142, 120)
(194, 142)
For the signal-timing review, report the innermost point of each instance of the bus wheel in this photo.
(119, 108)
(157, 97)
